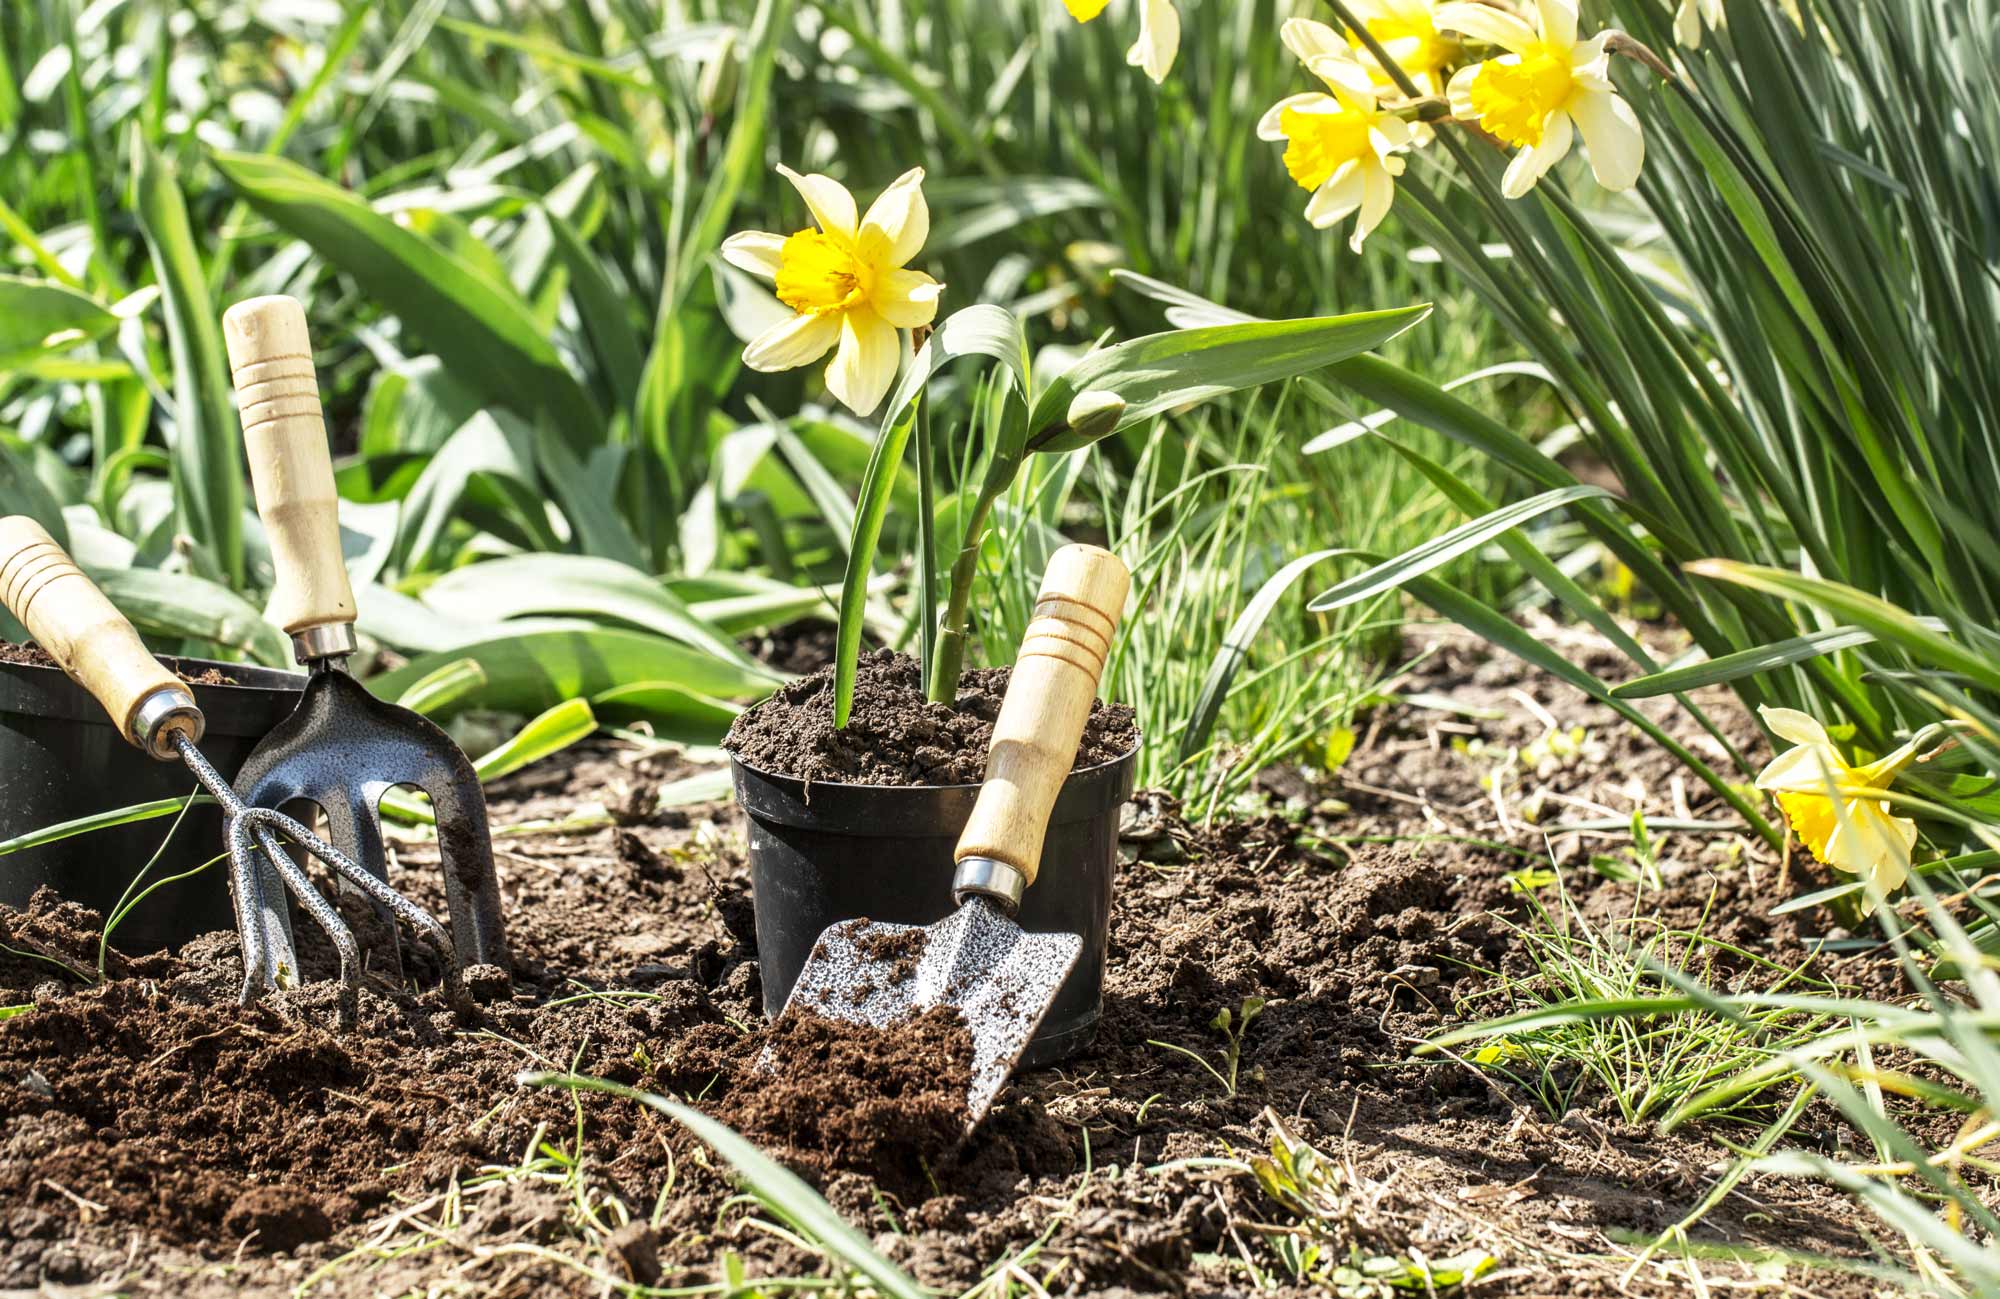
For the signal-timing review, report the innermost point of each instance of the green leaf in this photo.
(117, 816)
(548, 734)
(1750, 662)
(499, 589)
(184, 606)
(1870, 612)
(448, 684)
(486, 335)
(776, 1187)
(39, 318)
(538, 670)
(1157, 373)
(1417, 561)
(206, 447)
(671, 710)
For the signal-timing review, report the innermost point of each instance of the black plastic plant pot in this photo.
(61, 759)
(838, 852)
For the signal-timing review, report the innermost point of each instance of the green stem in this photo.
(927, 584)
(953, 633)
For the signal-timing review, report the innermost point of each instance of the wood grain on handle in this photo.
(277, 392)
(71, 619)
(1047, 702)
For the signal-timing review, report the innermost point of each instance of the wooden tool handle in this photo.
(1048, 700)
(84, 633)
(290, 466)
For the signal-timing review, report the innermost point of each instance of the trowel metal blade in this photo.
(1000, 978)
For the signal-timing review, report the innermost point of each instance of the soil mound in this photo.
(843, 1096)
(895, 736)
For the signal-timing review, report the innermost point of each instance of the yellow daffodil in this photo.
(1821, 795)
(1159, 33)
(1547, 86)
(848, 282)
(1692, 17)
(1407, 31)
(1341, 146)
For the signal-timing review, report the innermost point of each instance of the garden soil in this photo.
(159, 1139)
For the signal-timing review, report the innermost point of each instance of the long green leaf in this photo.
(575, 584)
(1155, 374)
(1869, 612)
(206, 449)
(486, 335)
(39, 317)
(1442, 550)
(538, 670)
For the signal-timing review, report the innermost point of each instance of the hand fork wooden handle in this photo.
(284, 435)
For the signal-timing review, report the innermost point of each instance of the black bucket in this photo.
(837, 852)
(61, 758)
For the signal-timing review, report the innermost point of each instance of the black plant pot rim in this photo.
(256, 699)
(835, 804)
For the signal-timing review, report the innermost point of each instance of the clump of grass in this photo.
(1604, 1008)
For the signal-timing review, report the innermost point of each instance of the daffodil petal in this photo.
(1485, 23)
(1347, 79)
(1309, 39)
(1558, 21)
(798, 341)
(865, 363)
(1530, 165)
(1879, 771)
(1336, 200)
(1791, 724)
(907, 299)
(1378, 192)
(828, 200)
(1271, 125)
(1459, 92)
(1612, 136)
(1808, 769)
(897, 223)
(755, 251)
(1159, 39)
(1085, 10)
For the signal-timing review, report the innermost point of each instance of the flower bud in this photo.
(1095, 413)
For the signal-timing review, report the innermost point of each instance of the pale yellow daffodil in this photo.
(1341, 146)
(1825, 800)
(847, 279)
(1407, 32)
(1545, 89)
(1159, 33)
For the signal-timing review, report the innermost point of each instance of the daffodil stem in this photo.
(927, 583)
(952, 635)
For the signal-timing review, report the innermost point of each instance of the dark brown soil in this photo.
(35, 656)
(895, 736)
(157, 1139)
(834, 1095)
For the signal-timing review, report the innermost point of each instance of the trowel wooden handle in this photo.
(84, 633)
(290, 466)
(1048, 700)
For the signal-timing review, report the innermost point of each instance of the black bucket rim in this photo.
(255, 701)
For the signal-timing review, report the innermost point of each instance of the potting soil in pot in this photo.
(35, 656)
(895, 736)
